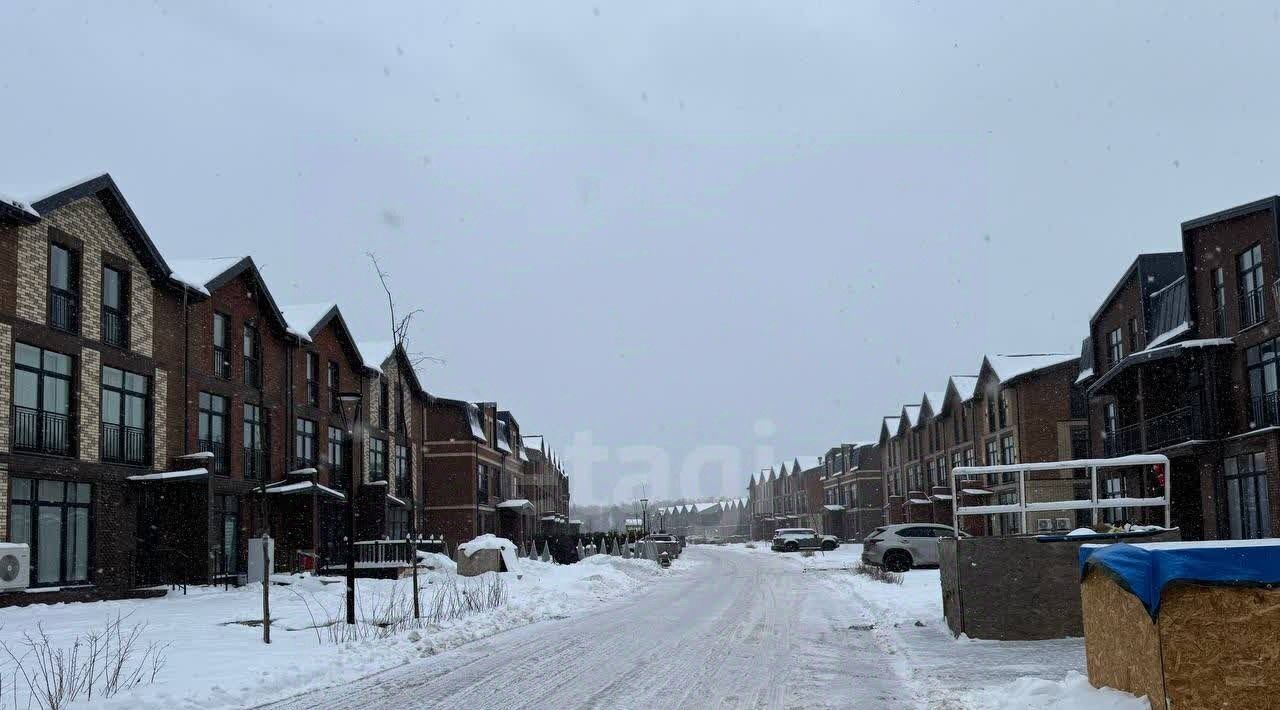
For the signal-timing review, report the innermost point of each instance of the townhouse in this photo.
(853, 490)
(155, 414)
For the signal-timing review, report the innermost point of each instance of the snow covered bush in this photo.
(98, 663)
(459, 597)
(750, 546)
(879, 574)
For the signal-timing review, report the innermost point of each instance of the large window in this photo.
(125, 398)
(482, 483)
(313, 378)
(1260, 366)
(1115, 347)
(1004, 409)
(115, 309)
(993, 452)
(221, 360)
(1008, 451)
(254, 441)
(1133, 335)
(304, 443)
(402, 469)
(339, 463)
(42, 388)
(1251, 282)
(252, 349)
(64, 288)
(377, 459)
(991, 413)
(1248, 503)
(1110, 418)
(52, 517)
(212, 423)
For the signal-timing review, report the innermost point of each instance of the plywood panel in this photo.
(1121, 644)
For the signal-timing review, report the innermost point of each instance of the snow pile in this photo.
(487, 541)
(216, 658)
(1078, 532)
(1070, 693)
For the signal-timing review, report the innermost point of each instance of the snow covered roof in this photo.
(934, 399)
(1084, 375)
(199, 273)
(1168, 335)
(703, 507)
(501, 440)
(302, 318)
(1011, 366)
(19, 205)
(473, 418)
(304, 487)
(190, 473)
(782, 468)
(966, 386)
(912, 412)
(833, 507)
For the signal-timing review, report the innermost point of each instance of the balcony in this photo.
(255, 463)
(125, 444)
(64, 310)
(1253, 307)
(41, 431)
(115, 328)
(217, 464)
(1161, 431)
(339, 478)
(1264, 410)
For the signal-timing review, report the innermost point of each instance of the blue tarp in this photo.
(1146, 569)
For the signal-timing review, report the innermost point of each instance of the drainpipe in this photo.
(186, 370)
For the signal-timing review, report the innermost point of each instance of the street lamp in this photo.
(644, 507)
(349, 408)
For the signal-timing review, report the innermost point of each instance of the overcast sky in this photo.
(730, 225)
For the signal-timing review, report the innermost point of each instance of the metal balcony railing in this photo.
(115, 327)
(1123, 441)
(41, 431)
(125, 444)
(217, 464)
(1173, 427)
(64, 309)
(255, 463)
(1264, 410)
(1253, 308)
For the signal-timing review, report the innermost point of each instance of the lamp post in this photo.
(349, 404)
(644, 508)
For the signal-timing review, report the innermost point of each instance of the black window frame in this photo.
(39, 429)
(403, 468)
(1262, 377)
(334, 380)
(251, 352)
(33, 503)
(221, 352)
(377, 459)
(125, 451)
(206, 416)
(305, 443)
(1247, 469)
(63, 307)
(1115, 346)
(311, 375)
(1251, 286)
(339, 447)
(254, 442)
(115, 319)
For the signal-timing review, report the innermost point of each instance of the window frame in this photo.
(71, 292)
(33, 503)
(251, 352)
(119, 312)
(1258, 478)
(256, 459)
(124, 394)
(304, 443)
(1251, 282)
(40, 413)
(205, 416)
(221, 352)
(377, 459)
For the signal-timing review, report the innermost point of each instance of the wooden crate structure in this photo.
(1188, 625)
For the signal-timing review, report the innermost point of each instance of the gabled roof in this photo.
(961, 387)
(1008, 368)
(16, 210)
(306, 321)
(104, 187)
(1152, 271)
(933, 402)
(205, 276)
(805, 463)
(704, 507)
(889, 427)
(911, 412)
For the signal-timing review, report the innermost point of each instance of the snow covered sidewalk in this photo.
(939, 671)
(216, 658)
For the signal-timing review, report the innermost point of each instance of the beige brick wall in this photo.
(160, 418)
(33, 273)
(6, 382)
(90, 398)
(86, 220)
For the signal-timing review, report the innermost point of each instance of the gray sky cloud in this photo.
(664, 223)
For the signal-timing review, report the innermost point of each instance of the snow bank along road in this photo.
(744, 629)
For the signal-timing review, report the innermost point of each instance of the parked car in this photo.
(792, 539)
(900, 547)
(664, 543)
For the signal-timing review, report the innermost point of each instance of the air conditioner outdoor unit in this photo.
(1062, 523)
(15, 565)
(1044, 525)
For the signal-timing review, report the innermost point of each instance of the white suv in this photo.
(792, 539)
(900, 547)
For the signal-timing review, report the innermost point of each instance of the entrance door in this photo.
(1187, 509)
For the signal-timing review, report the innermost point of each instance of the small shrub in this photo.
(879, 574)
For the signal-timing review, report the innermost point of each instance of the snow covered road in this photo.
(740, 630)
